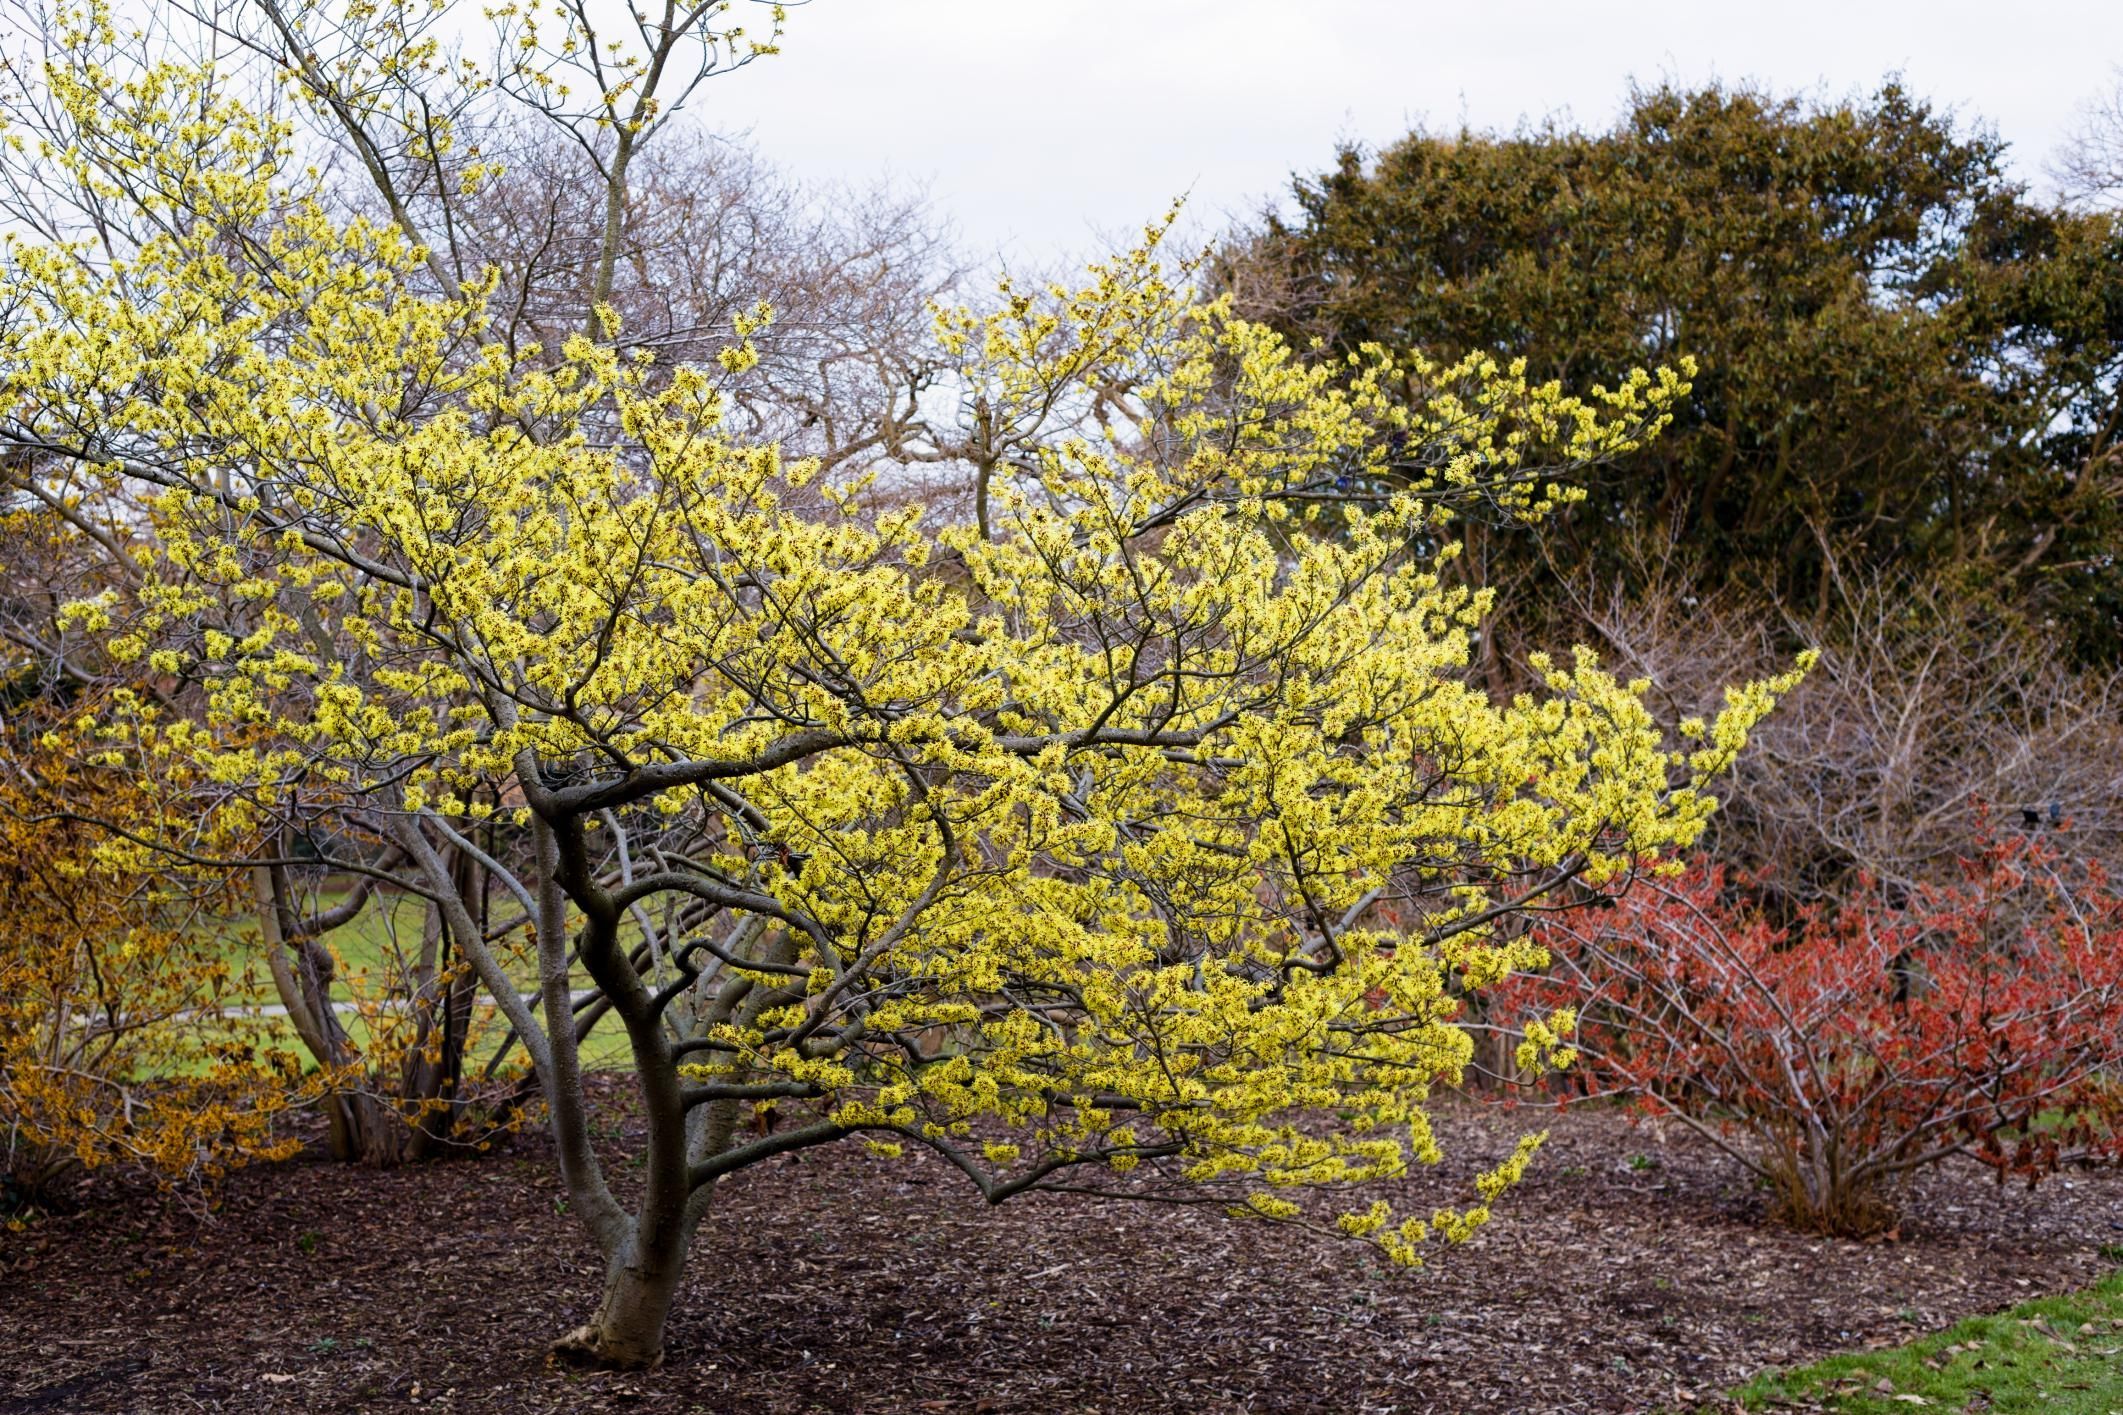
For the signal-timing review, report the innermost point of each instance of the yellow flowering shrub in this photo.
(1143, 834)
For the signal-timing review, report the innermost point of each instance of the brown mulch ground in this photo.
(1630, 1273)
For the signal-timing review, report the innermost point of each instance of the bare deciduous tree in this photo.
(1928, 712)
(2088, 169)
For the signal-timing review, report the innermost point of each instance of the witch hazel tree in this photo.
(1139, 834)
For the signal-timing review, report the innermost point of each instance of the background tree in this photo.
(2088, 169)
(709, 232)
(1049, 842)
(1906, 364)
(1927, 715)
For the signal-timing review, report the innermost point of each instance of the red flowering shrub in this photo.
(1834, 1057)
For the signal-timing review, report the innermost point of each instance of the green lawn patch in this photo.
(2060, 1355)
(373, 948)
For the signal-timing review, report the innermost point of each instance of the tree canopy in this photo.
(1132, 836)
(1905, 362)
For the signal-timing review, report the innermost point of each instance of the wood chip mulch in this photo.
(1631, 1272)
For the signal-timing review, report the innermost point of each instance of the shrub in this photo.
(1835, 1057)
(1046, 842)
(114, 1048)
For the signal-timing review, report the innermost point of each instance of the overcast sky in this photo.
(1038, 124)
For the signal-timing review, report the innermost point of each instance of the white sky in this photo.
(1039, 125)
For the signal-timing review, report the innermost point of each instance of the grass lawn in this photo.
(606, 1048)
(371, 950)
(370, 945)
(2061, 1355)
(375, 944)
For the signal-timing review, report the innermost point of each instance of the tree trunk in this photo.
(627, 1332)
(400, 1116)
(388, 1138)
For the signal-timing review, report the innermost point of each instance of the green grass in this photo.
(376, 944)
(371, 945)
(606, 1049)
(2059, 1355)
(371, 949)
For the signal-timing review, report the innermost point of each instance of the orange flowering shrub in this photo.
(115, 1049)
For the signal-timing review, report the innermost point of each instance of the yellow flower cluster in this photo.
(1153, 819)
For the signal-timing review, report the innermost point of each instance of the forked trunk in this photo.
(640, 1281)
(627, 1332)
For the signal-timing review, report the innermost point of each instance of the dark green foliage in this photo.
(1906, 363)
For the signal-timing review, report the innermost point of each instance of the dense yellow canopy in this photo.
(1151, 823)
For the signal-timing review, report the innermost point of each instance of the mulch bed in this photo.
(1631, 1272)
